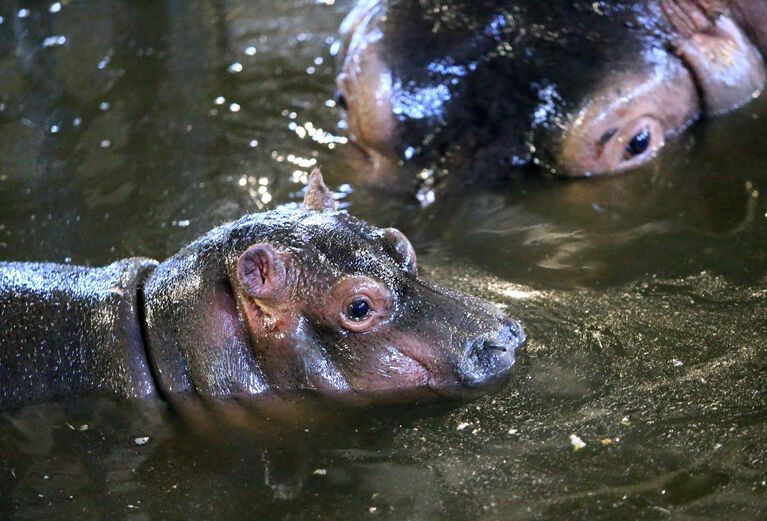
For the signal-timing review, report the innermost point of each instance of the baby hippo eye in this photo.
(358, 304)
(358, 309)
(639, 144)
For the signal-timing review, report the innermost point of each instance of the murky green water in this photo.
(129, 128)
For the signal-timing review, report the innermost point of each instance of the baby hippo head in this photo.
(335, 307)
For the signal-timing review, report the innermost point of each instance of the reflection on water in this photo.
(158, 119)
(129, 128)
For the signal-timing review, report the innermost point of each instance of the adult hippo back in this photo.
(289, 302)
(572, 87)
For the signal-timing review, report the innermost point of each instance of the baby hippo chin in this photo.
(274, 307)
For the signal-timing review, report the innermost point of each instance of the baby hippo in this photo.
(571, 87)
(287, 303)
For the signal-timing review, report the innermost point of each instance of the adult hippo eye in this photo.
(626, 147)
(359, 309)
(365, 82)
(638, 145)
(341, 101)
(625, 122)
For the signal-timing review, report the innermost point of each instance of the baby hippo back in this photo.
(70, 330)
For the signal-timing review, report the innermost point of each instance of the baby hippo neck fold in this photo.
(71, 330)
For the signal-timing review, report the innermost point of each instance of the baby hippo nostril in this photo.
(499, 347)
(512, 336)
(496, 352)
(489, 358)
(495, 347)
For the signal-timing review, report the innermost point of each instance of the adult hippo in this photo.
(284, 303)
(574, 87)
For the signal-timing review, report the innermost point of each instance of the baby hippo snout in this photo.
(490, 357)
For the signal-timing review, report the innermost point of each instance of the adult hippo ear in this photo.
(727, 66)
(398, 246)
(318, 196)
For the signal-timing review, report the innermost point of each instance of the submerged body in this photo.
(278, 304)
(575, 88)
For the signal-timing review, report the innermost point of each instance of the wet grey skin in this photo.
(307, 301)
(575, 88)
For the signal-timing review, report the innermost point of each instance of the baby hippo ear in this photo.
(400, 248)
(318, 197)
(261, 272)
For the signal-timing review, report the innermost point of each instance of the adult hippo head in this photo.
(313, 301)
(576, 87)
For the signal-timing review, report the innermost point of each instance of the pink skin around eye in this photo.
(354, 288)
(661, 99)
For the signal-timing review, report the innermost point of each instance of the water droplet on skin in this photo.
(253, 143)
(219, 100)
(104, 105)
(251, 51)
(23, 13)
(234, 107)
(55, 7)
(235, 68)
(55, 129)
